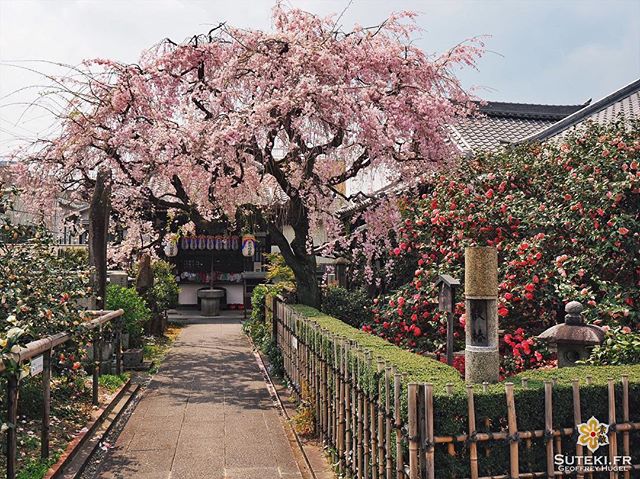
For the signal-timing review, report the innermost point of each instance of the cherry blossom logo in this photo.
(593, 434)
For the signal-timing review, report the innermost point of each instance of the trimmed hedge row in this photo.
(450, 410)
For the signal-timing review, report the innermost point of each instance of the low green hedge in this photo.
(450, 410)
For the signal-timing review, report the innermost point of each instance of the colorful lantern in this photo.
(171, 245)
(218, 242)
(248, 245)
(235, 243)
(202, 242)
(211, 242)
(184, 242)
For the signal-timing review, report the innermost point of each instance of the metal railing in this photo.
(44, 347)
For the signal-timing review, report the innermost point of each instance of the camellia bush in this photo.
(39, 294)
(565, 219)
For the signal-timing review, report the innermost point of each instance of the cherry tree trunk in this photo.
(98, 233)
(308, 289)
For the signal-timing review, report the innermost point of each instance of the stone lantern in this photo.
(573, 339)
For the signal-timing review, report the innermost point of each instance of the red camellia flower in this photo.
(503, 312)
(530, 287)
(417, 332)
(76, 366)
(489, 193)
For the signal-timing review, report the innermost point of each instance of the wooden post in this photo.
(381, 458)
(97, 353)
(360, 446)
(625, 418)
(388, 425)
(118, 346)
(412, 392)
(548, 425)
(613, 437)
(513, 432)
(12, 420)
(430, 449)
(46, 404)
(473, 447)
(577, 419)
(98, 233)
(397, 389)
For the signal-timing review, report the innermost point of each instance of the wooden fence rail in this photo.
(357, 403)
(44, 347)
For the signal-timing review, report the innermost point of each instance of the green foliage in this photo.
(450, 410)
(136, 312)
(111, 382)
(165, 287)
(352, 307)
(36, 468)
(278, 271)
(620, 346)
(564, 216)
(38, 293)
(75, 258)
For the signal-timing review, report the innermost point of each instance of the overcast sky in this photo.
(555, 51)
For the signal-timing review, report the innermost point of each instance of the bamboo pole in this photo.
(354, 407)
(388, 424)
(341, 411)
(577, 419)
(380, 428)
(548, 424)
(397, 388)
(360, 402)
(473, 447)
(373, 418)
(366, 436)
(430, 448)
(513, 432)
(412, 393)
(625, 418)
(613, 437)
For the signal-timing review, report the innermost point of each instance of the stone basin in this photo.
(210, 301)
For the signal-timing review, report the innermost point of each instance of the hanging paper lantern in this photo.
(235, 243)
(184, 242)
(211, 242)
(218, 242)
(248, 245)
(202, 242)
(171, 246)
(226, 242)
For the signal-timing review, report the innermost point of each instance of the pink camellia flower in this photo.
(623, 230)
(401, 301)
(605, 328)
(626, 329)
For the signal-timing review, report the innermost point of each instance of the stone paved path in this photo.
(206, 414)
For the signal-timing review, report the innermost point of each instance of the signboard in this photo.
(37, 365)
(445, 298)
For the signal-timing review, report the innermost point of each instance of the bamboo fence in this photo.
(357, 403)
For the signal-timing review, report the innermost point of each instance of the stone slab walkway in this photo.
(206, 414)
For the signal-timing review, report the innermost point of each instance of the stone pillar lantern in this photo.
(573, 339)
(482, 359)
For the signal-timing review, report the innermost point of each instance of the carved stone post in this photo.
(482, 359)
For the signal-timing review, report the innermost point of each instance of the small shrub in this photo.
(620, 346)
(111, 382)
(352, 307)
(165, 287)
(136, 312)
(278, 271)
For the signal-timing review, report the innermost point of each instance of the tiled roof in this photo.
(625, 101)
(500, 123)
